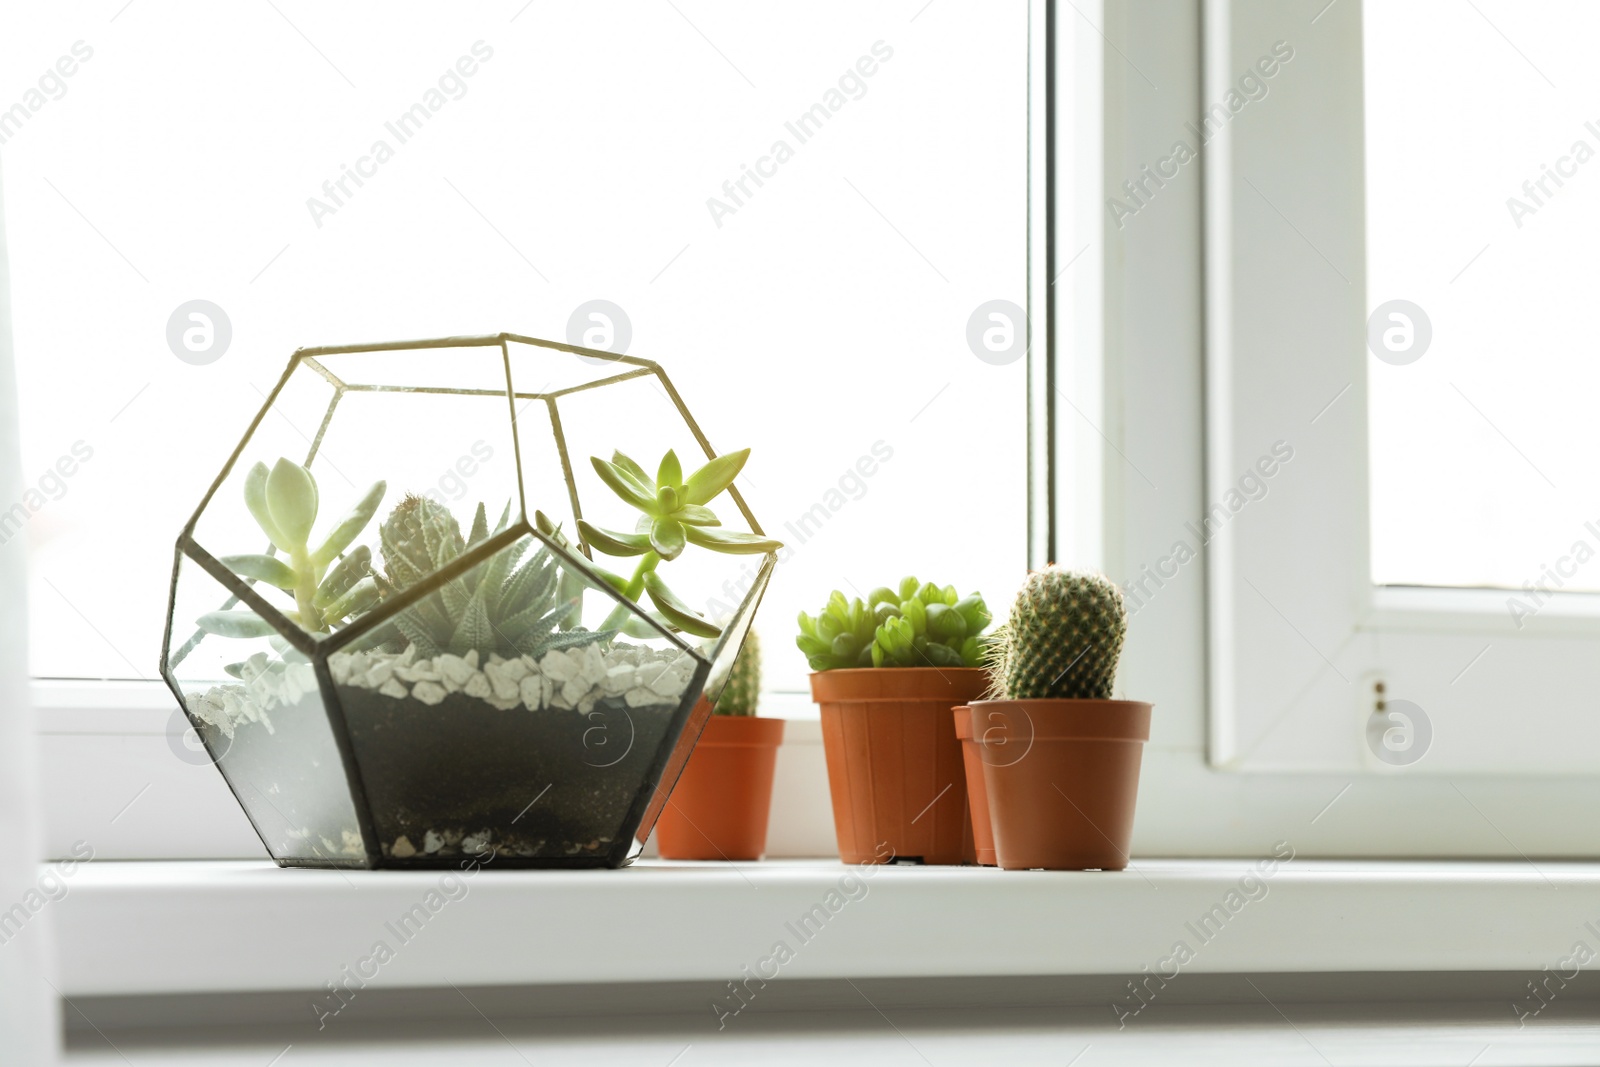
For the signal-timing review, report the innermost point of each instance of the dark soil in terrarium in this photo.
(540, 788)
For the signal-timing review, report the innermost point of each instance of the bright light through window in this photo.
(797, 210)
(1483, 196)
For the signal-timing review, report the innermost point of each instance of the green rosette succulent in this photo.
(511, 604)
(673, 515)
(916, 625)
(329, 587)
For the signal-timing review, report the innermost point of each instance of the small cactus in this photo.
(743, 688)
(1063, 639)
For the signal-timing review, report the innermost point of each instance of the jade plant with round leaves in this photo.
(673, 515)
(917, 625)
(328, 589)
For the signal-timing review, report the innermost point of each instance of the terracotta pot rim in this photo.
(1064, 703)
(874, 685)
(1070, 719)
(963, 714)
(742, 731)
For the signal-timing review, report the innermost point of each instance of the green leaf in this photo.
(697, 515)
(882, 595)
(474, 630)
(505, 517)
(532, 583)
(676, 611)
(480, 526)
(974, 611)
(829, 626)
(667, 538)
(671, 471)
(909, 587)
(234, 624)
(357, 599)
(255, 498)
(730, 542)
(351, 525)
(942, 655)
(613, 543)
(637, 627)
(414, 628)
(715, 476)
(810, 646)
(945, 623)
(269, 569)
(574, 639)
(625, 485)
(808, 625)
(667, 499)
(633, 468)
(615, 581)
(292, 500)
(972, 650)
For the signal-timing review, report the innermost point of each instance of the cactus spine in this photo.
(1063, 639)
(743, 688)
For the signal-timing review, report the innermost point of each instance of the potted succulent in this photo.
(719, 808)
(887, 673)
(440, 686)
(1060, 757)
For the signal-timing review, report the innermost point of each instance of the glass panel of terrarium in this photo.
(257, 705)
(537, 368)
(637, 417)
(290, 429)
(453, 451)
(536, 733)
(479, 367)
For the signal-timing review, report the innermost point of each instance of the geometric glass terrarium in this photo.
(395, 621)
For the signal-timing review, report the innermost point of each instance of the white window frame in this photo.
(1235, 312)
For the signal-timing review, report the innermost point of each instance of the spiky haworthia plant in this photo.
(918, 625)
(1063, 638)
(507, 605)
(673, 515)
(284, 503)
(743, 687)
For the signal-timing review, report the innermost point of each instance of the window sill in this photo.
(179, 927)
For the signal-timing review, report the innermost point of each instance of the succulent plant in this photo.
(326, 593)
(1063, 638)
(917, 625)
(673, 515)
(743, 688)
(511, 604)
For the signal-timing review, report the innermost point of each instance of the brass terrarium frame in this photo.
(688, 719)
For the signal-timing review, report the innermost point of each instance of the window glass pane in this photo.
(797, 209)
(1483, 196)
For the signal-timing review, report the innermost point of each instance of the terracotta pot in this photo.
(894, 764)
(719, 808)
(1062, 778)
(977, 790)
